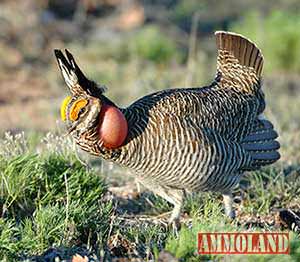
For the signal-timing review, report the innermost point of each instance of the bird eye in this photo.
(81, 111)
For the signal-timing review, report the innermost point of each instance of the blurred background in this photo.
(137, 47)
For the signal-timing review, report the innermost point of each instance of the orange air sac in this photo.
(113, 127)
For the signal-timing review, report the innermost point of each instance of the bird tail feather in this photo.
(261, 144)
(239, 62)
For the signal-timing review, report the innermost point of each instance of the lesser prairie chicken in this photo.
(180, 140)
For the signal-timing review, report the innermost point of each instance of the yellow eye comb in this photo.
(75, 108)
(63, 108)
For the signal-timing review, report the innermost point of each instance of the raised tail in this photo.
(239, 63)
(261, 144)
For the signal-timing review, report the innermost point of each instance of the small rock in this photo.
(165, 256)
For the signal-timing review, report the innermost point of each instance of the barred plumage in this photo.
(187, 140)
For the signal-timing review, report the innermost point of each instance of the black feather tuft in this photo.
(74, 77)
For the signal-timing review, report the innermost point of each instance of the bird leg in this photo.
(172, 195)
(176, 197)
(174, 220)
(227, 201)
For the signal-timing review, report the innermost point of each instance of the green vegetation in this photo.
(153, 45)
(47, 199)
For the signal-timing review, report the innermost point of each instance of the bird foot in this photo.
(230, 213)
(228, 201)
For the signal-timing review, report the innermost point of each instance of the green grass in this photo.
(48, 199)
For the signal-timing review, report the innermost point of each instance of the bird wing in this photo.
(205, 158)
(239, 63)
(211, 161)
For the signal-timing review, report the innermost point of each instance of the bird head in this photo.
(87, 112)
(80, 113)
